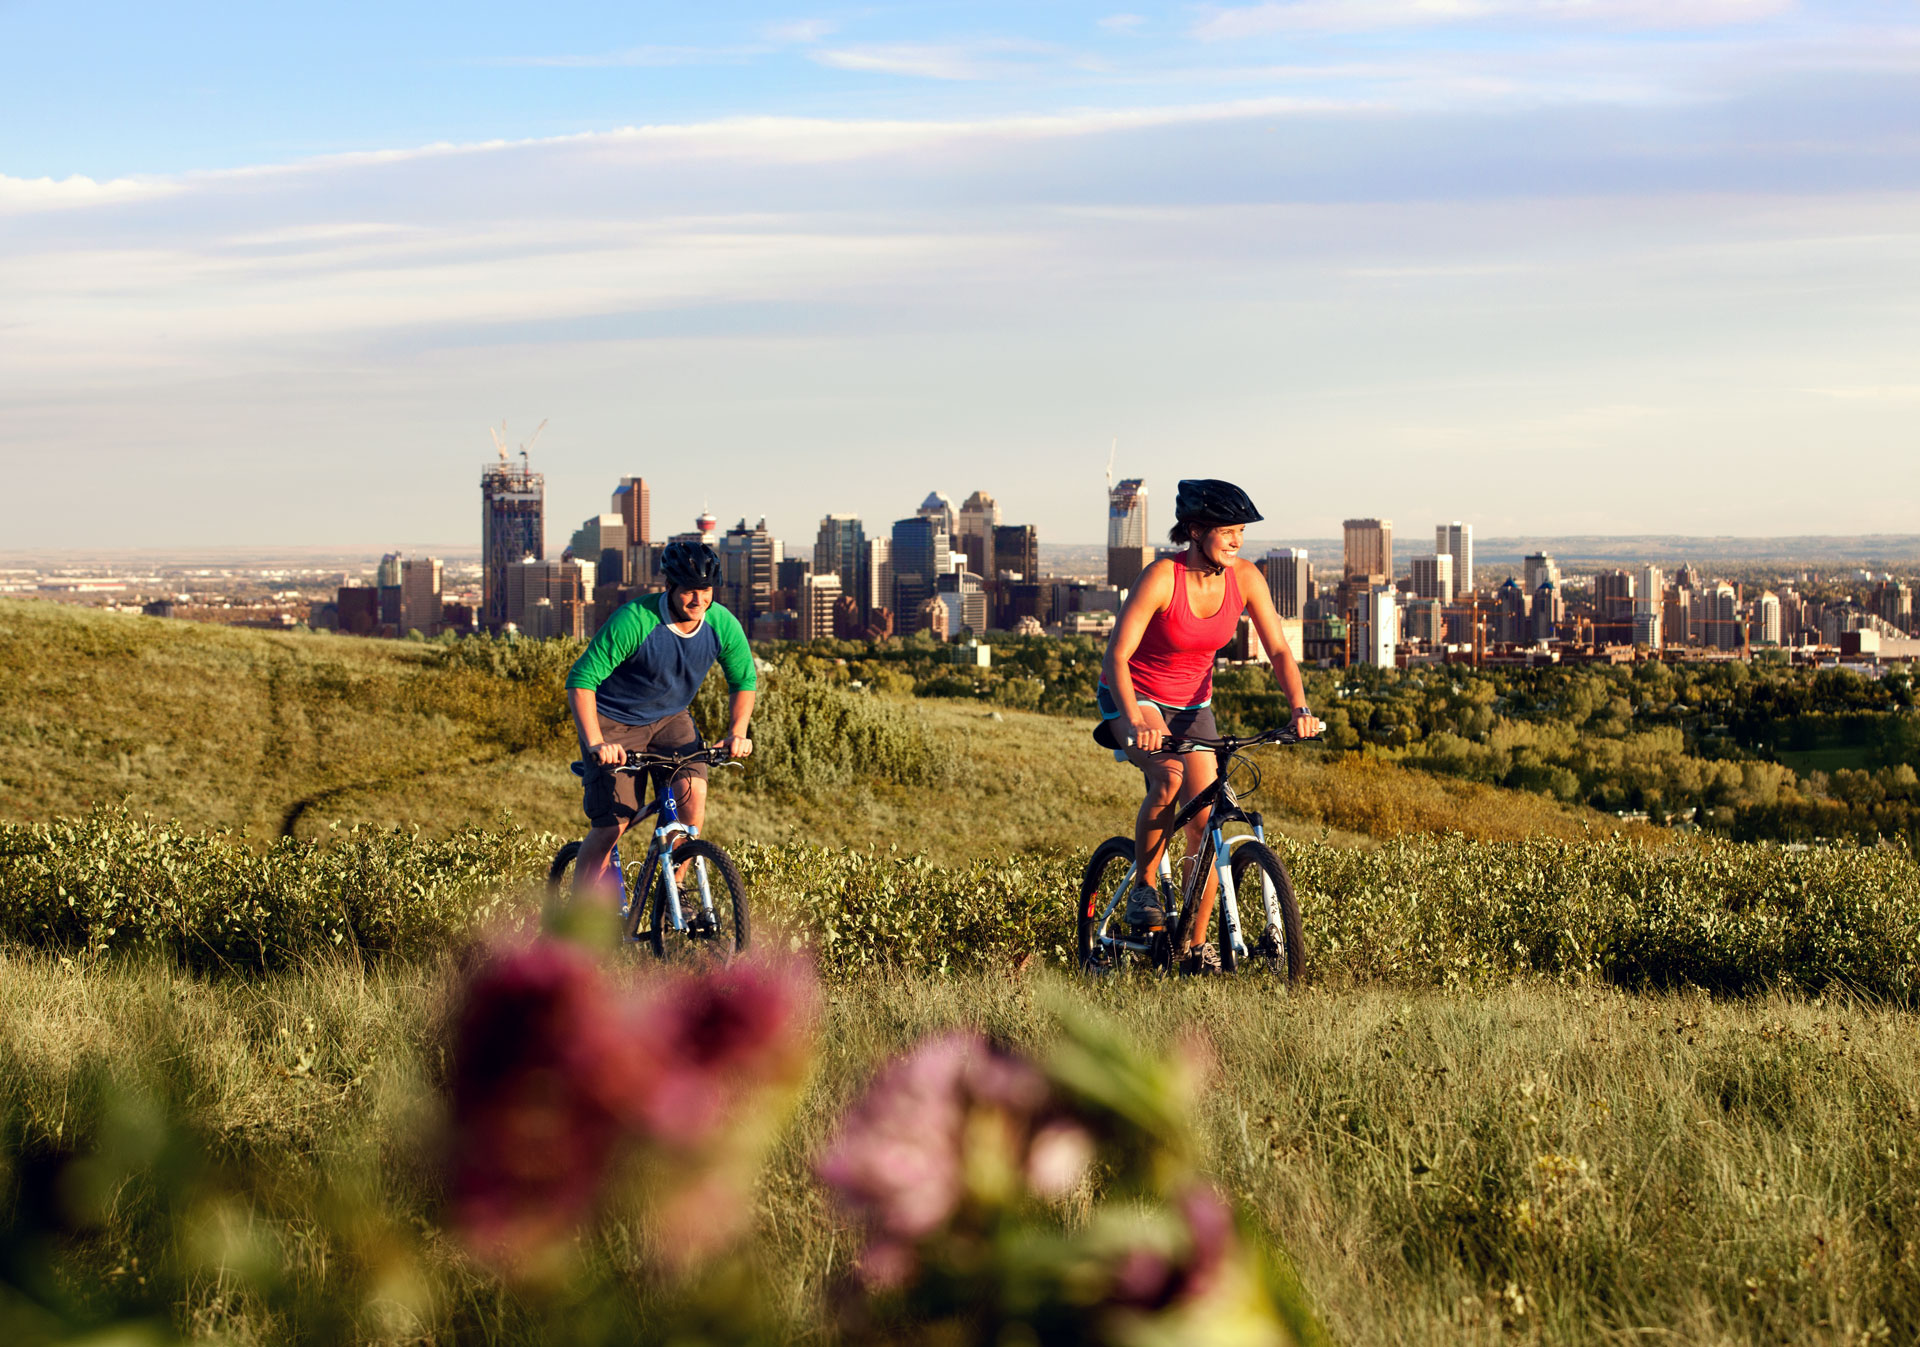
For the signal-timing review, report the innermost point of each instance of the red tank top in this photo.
(1173, 664)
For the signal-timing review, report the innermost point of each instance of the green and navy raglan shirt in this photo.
(641, 670)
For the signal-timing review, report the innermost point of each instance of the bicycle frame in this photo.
(1218, 850)
(670, 827)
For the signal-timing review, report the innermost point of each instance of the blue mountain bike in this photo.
(1111, 875)
(705, 923)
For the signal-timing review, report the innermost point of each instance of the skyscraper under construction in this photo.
(512, 529)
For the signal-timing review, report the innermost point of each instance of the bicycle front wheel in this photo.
(560, 873)
(1282, 946)
(1110, 862)
(707, 938)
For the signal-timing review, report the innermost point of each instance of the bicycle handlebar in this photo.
(714, 755)
(1232, 745)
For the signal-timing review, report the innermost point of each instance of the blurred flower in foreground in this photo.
(555, 1071)
(956, 1123)
(950, 1160)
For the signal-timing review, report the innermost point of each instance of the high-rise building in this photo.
(1766, 620)
(1613, 608)
(1129, 548)
(979, 517)
(357, 610)
(747, 560)
(1510, 614)
(1456, 540)
(819, 593)
(387, 585)
(877, 573)
(1892, 601)
(1016, 551)
(1723, 629)
(548, 598)
(512, 529)
(1289, 579)
(840, 548)
(1538, 567)
(1433, 577)
(920, 552)
(966, 601)
(420, 594)
(939, 509)
(602, 539)
(1369, 548)
(1547, 611)
(1380, 628)
(1677, 626)
(634, 504)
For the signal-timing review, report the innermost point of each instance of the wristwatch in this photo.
(1300, 711)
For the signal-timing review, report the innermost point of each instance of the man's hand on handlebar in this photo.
(607, 755)
(737, 745)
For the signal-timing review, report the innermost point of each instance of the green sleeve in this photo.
(736, 656)
(613, 645)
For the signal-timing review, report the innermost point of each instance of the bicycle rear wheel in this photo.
(706, 941)
(1108, 866)
(560, 873)
(1281, 947)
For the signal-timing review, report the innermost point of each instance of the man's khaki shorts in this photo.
(613, 798)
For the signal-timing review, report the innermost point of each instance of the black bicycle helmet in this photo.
(1217, 502)
(690, 565)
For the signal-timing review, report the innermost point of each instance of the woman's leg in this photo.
(1163, 772)
(1200, 770)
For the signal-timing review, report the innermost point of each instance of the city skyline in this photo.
(1559, 268)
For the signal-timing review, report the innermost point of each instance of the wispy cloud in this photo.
(990, 59)
(1275, 16)
(1123, 23)
(799, 32)
(639, 56)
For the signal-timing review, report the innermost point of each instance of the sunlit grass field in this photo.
(1548, 1084)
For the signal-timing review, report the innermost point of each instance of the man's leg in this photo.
(592, 871)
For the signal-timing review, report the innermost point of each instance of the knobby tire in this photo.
(729, 908)
(1288, 953)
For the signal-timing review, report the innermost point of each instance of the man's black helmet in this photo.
(690, 565)
(1215, 501)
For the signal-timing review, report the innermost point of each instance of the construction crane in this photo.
(500, 440)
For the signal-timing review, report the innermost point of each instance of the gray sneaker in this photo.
(1201, 959)
(1144, 910)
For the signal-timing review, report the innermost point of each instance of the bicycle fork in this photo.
(670, 827)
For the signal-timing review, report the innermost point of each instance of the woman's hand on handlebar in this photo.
(1147, 731)
(1306, 724)
(607, 755)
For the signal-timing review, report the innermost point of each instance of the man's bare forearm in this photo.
(586, 716)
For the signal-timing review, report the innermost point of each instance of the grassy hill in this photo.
(276, 733)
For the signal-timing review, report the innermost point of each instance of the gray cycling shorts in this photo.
(612, 799)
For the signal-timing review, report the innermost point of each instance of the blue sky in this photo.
(1554, 266)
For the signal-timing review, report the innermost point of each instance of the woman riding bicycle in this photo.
(1156, 685)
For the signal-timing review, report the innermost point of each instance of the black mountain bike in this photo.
(711, 928)
(1111, 875)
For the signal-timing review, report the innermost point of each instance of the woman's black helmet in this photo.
(1217, 502)
(690, 565)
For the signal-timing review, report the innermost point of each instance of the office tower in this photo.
(1426, 620)
(1540, 567)
(1369, 548)
(1433, 577)
(877, 573)
(840, 548)
(1677, 617)
(387, 583)
(1380, 621)
(1016, 551)
(1510, 614)
(979, 517)
(1766, 620)
(602, 539)
(920, 552)
(1456, 540)
(1129, 548)
(420, 594)
(1546, 611)
(747, 560)
(512, 530)
(819, 594)
(548, 598)
(357, 610)
(939, 509)
(1613, 608)
(1289, 579)
(1892, 601)
(634, 504)
(966, 602)
(1723, 630)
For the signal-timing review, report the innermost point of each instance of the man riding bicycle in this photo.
(629, 692)
(1156, 685)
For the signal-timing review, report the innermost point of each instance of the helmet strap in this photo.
(1207, 566)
